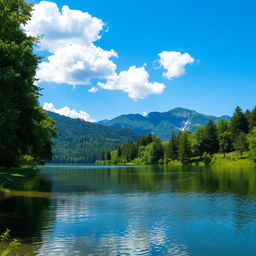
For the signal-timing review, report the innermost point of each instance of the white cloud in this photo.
(93, 89)
(144, 113)
(174, 63)
(77, 65)
(135, 82)
(66, 111)
(62, 27)
(69, 36)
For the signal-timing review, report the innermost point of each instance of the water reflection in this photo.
(25, 216)
(135, 211)
(241, 181)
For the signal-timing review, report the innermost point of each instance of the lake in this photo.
(101, 210)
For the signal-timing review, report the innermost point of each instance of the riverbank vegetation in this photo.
(224, 142)
(25, 129)
(8, 247)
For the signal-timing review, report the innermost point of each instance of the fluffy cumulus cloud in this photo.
(69, 35)
(77, 65)
(66, 111)
(174, 63)
(62, 27)
(135, 82)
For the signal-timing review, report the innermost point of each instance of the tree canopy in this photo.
(25, 128)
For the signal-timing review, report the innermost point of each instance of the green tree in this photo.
(184, 149)
(239, 122)
(252, 119)
(200, 135)
(142, 141)
(224, 136)
(252, 144)
(225, 142)
(172, 147)
(119, 151)
(132, 151)
(157, 151)
(240, 143)
(148, 139)
(211, 141)
(108, 155)
(25, 128)
(222, 126)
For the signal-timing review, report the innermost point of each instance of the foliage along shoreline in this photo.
(26, 131)
(225, 142)
(231, 159)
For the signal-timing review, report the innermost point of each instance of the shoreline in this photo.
(230, 159)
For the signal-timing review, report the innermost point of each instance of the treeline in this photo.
(237, 134)
(131, 150)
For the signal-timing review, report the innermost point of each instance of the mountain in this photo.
(104, 121)
(81, 142)
(162, 124)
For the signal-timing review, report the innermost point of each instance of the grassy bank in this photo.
(229, 159)
(232, 159)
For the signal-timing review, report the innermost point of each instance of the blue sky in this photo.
(218, 35)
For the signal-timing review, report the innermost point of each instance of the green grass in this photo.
(231, 159)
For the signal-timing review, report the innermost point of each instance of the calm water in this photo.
(87, 210)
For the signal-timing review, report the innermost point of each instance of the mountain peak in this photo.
(181, 109)
(163, 124)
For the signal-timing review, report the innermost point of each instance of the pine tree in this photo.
(200, 135)
(108, 155)
(239, 122)
(211, 142)
(172, 147)
(184, 148)
(119, 151)
(252, 119)
(149, 138)
(157, 151)
(142, 141)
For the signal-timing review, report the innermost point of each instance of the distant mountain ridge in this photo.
(162, 124)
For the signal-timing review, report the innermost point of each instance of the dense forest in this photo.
(238, 134)
(82, 142)
(25, 129)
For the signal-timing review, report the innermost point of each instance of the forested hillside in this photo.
(82, 142)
